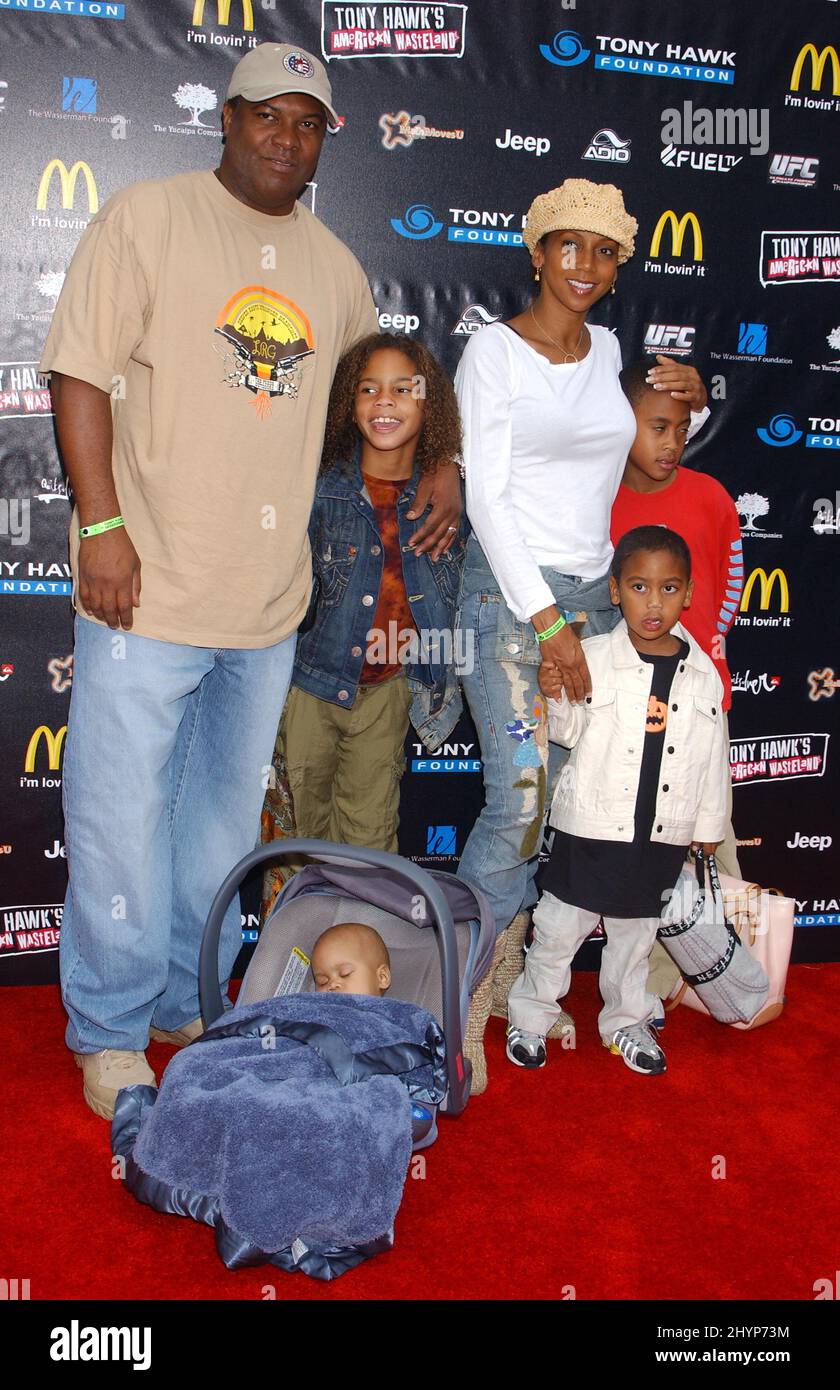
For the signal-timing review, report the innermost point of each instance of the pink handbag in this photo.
(764, 922)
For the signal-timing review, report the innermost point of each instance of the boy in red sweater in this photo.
(656, 491)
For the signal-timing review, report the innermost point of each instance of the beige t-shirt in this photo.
(217, 330)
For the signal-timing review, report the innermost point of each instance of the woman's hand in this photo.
(683, 382)
(563, 651)
(442, 491)
(706, 847)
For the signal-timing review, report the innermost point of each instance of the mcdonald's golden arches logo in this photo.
(54, 742)
(819, 62)
(767, 583)
(223, 13)
(678, 231)
(67, 179)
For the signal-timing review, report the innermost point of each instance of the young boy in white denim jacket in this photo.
(647, 778)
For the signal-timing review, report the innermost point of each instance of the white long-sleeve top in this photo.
(545, 447)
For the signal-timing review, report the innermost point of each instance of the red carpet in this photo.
(582, 1175)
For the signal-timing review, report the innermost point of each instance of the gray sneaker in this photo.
(638, 1049)
(525, 1049)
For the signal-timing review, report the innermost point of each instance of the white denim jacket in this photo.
(596, 791)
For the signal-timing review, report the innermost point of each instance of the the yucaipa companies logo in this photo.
(198, 100)
(795, 258)
(822, 63)
(386, 31)
(678, 228)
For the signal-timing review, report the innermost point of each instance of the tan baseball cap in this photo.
(272, 69)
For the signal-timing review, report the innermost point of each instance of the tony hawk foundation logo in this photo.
(268, 338)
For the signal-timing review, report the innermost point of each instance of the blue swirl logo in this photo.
(780, 432)
(418, 224)
(566, 49)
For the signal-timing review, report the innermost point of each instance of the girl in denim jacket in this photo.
(375, 650)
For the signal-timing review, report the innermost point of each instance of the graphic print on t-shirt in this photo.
(269, 337)
(657, 716)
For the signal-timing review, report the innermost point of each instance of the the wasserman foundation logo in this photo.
(386, 31)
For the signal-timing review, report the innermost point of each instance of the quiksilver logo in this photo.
(77, 1343)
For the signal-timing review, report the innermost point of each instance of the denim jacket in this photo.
(347, 563)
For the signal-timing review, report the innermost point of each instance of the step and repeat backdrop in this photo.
(721, 126)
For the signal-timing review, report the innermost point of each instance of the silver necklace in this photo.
(554, 343)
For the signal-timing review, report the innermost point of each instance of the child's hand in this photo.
(706, 847)
(551, 680)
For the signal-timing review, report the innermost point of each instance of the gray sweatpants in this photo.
(559, 930)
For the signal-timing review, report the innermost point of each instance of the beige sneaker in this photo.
(180, 1036)
(107, 1072)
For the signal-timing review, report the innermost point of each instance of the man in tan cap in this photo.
(191, 353)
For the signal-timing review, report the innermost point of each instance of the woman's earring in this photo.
(612, 291)
(537, 273)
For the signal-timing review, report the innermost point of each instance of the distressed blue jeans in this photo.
(501, 855)
(167, 751)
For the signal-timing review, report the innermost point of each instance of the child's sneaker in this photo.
(638, 1049)
(657, 1021)
(525, 1049)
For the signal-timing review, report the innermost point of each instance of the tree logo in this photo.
(195, 97)
(833, 340)
(750, 505)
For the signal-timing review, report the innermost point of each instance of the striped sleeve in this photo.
(731, 566)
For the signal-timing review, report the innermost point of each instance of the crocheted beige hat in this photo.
(584, 206)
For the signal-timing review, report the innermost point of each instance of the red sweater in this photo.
(702, 512)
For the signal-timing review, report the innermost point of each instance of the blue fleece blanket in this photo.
(287, 1127)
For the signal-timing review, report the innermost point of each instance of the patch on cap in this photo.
(299, 64)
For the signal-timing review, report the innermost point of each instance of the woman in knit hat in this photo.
(547, 430)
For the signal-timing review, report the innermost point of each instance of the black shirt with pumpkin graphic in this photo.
(614, 877)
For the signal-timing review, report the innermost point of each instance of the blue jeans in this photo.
(167, 751)
(508, 710)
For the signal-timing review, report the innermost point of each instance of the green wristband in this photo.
(110, 525)
(550, 631)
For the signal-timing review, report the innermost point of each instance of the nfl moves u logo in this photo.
(441, 839)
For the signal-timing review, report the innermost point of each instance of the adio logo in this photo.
(67, 182)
